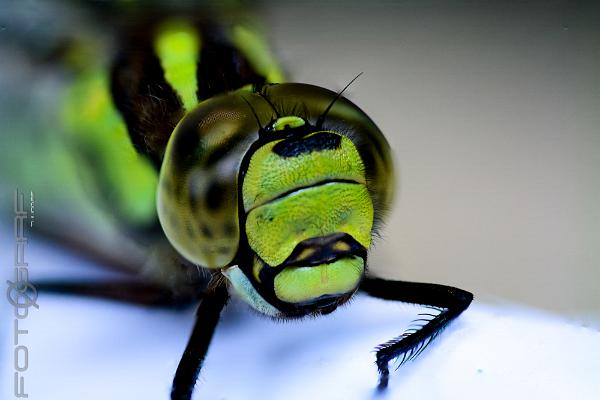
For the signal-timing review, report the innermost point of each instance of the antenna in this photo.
(261, 130)
(322, 116)
(269, 102)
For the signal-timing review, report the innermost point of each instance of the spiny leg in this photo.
(133, 292)
(450, 301)
(191, 362)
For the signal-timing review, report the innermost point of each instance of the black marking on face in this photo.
(295, 147)
(214, 196)
(324, 249)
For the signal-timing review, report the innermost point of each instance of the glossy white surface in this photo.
(91, 349)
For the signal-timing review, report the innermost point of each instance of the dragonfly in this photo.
(230, 180)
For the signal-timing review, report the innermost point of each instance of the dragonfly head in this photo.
(280, 189)
(307, 217)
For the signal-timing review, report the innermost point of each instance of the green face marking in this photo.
(245, 289)
(301, 284)
(300, 188)
(276, 228)
(287, 122)
(271, 174)
(309, 214)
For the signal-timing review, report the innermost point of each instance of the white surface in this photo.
(91, 349)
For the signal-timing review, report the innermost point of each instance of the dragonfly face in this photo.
(308, 216)
(284, 205)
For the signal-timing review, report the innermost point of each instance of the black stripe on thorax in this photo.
(222, 67)
(150, 107)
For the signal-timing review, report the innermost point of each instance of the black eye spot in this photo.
(295, 147)
(214, 196)
(192, 200)
(206, 231)
(223, 250)
(229, 229)
(187, 148)
(219, 153)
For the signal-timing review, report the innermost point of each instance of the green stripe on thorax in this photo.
(255, 48)
(97, 130)
(177, 45)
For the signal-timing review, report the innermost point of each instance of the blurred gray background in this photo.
(492, 110)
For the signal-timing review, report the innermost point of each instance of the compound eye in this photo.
(287, 122)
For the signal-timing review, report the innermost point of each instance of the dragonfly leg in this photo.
(126, 291)
(447, 303)
(207, 318)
